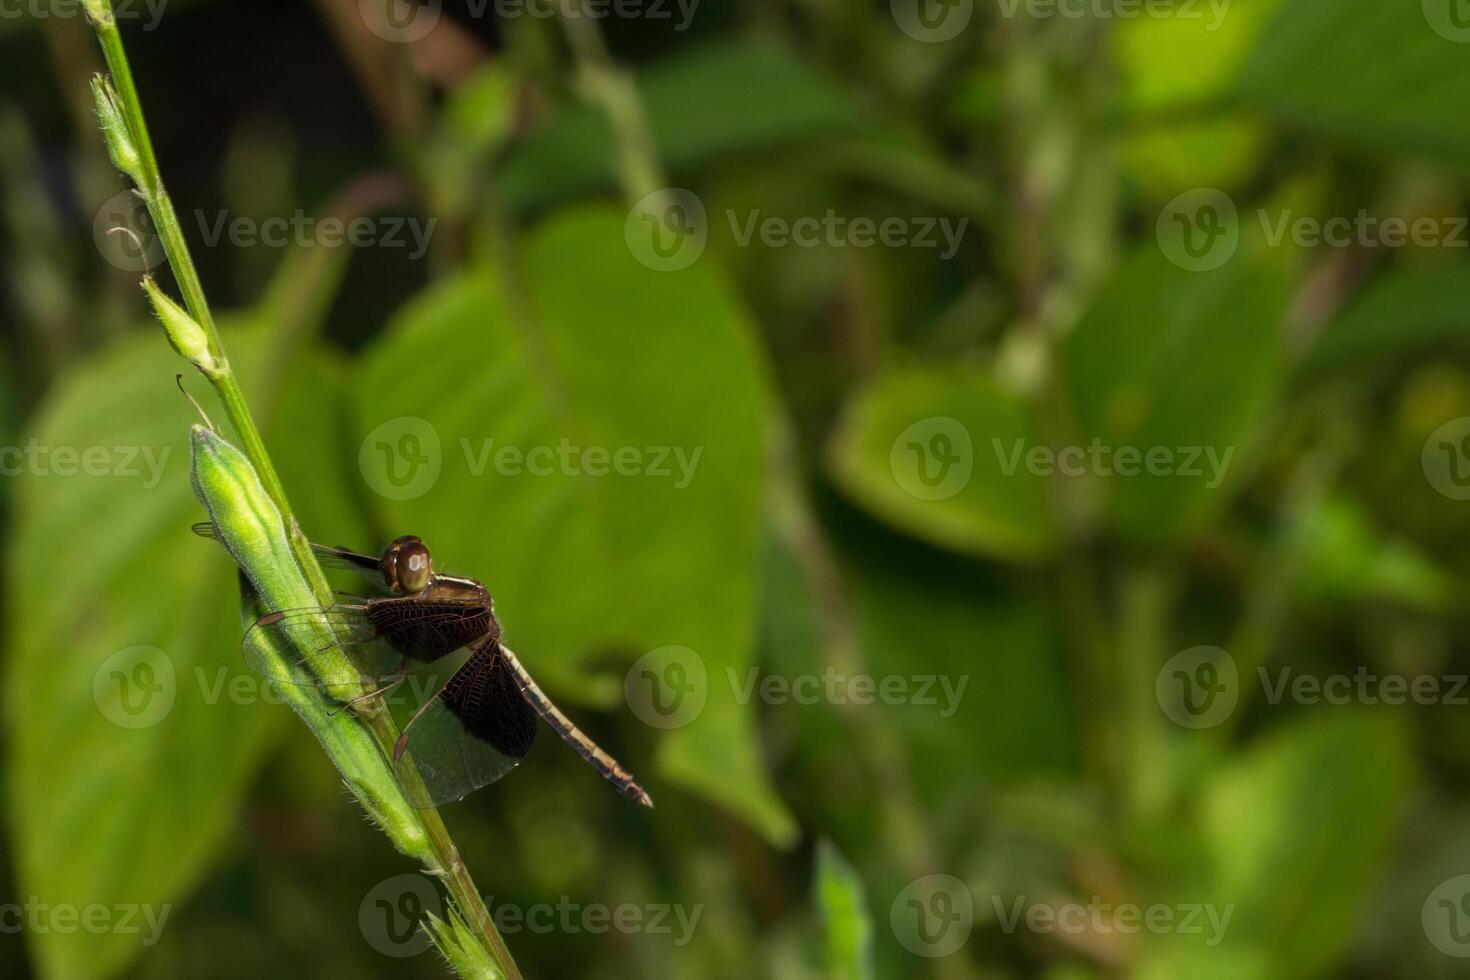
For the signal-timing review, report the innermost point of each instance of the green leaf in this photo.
(127, 753)
(930, 451)
(714, 101)
(605, 354)
(845, 918)
(1399, 314)
(1007, 701)
(1298, 828)
(1387, 77)
(1168, 63)
(1346, 559)
(1168, 360)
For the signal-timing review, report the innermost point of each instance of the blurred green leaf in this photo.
(1001, 681)
(599, 353)
(1168, 360)
(1402, 313)
(1386, 77)
(1297, 827)
(845, 917)
(932, 452)
(1345, 559)
(731, 98)
(128, 753)
(1169, 64)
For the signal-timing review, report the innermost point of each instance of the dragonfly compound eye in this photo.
(413, 567)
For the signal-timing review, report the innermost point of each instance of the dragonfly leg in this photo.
(402, 745)
(398, 677)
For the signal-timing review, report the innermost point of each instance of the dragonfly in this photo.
(482, 721)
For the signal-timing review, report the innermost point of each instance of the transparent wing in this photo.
(476, 729)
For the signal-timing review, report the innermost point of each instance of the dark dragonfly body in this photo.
(482, 722)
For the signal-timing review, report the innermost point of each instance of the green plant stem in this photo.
(374, 714)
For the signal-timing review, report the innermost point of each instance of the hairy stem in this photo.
(128, 139)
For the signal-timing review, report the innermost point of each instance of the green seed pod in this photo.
(248, 523)
(115, 132)
(185, 334)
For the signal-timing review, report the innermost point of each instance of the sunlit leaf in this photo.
(481, 414)
(709, 102)
(1181, 365)
(1398, 315)
(846, 921)
(934, 453)
(134, 727)
(1296, 829)
(1387, 77)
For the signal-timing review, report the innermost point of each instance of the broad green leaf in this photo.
(1297, 829)
(1166, 63)
(1387, 77)
(934, 453)
(1006, 699)
(480, 413)
(714, 101)
(1346, 559)
(1399, 314)
(846, 921)
(1180, 364)
(127, 751)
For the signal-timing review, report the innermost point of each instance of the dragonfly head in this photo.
(407, 566)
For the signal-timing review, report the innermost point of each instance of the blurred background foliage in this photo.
(1061, 320)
